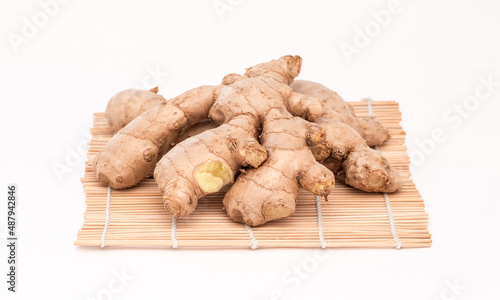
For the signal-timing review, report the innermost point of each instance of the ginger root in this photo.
(132, 153)
(346, 149)
(285, 135)
(334, 107)
(204, 163)
(126, 105)
(270, 191)
(354, 162)
(241, 107)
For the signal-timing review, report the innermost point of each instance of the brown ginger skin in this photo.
(196, 129)
(269, 192)
(334, 107)
(132, 153)
(263, 87)
(353, 161)
(204, 163)
(346, 149)
(126, 105)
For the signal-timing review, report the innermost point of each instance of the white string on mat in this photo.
(173, 234)
(395, 236)
(251, 237)
(106, 223)
(320, 222)
(394, 233)
(369, 105)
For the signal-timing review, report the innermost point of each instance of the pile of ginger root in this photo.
(263, 132)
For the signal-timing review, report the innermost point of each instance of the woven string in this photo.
(394, 233)
(251, 237)
(395, 236)
(106, 223)
(173, 234)
(320, 222)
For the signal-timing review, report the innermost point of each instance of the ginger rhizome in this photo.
(204, 163)
(133, 152)
(280, 135)
(270, 191)
(346, 150)
(126, 105)
(334, 107)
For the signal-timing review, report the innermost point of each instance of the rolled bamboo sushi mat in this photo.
(350, 218)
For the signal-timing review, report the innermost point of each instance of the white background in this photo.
(431, 56)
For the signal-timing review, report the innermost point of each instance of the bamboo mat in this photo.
(351, 218)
